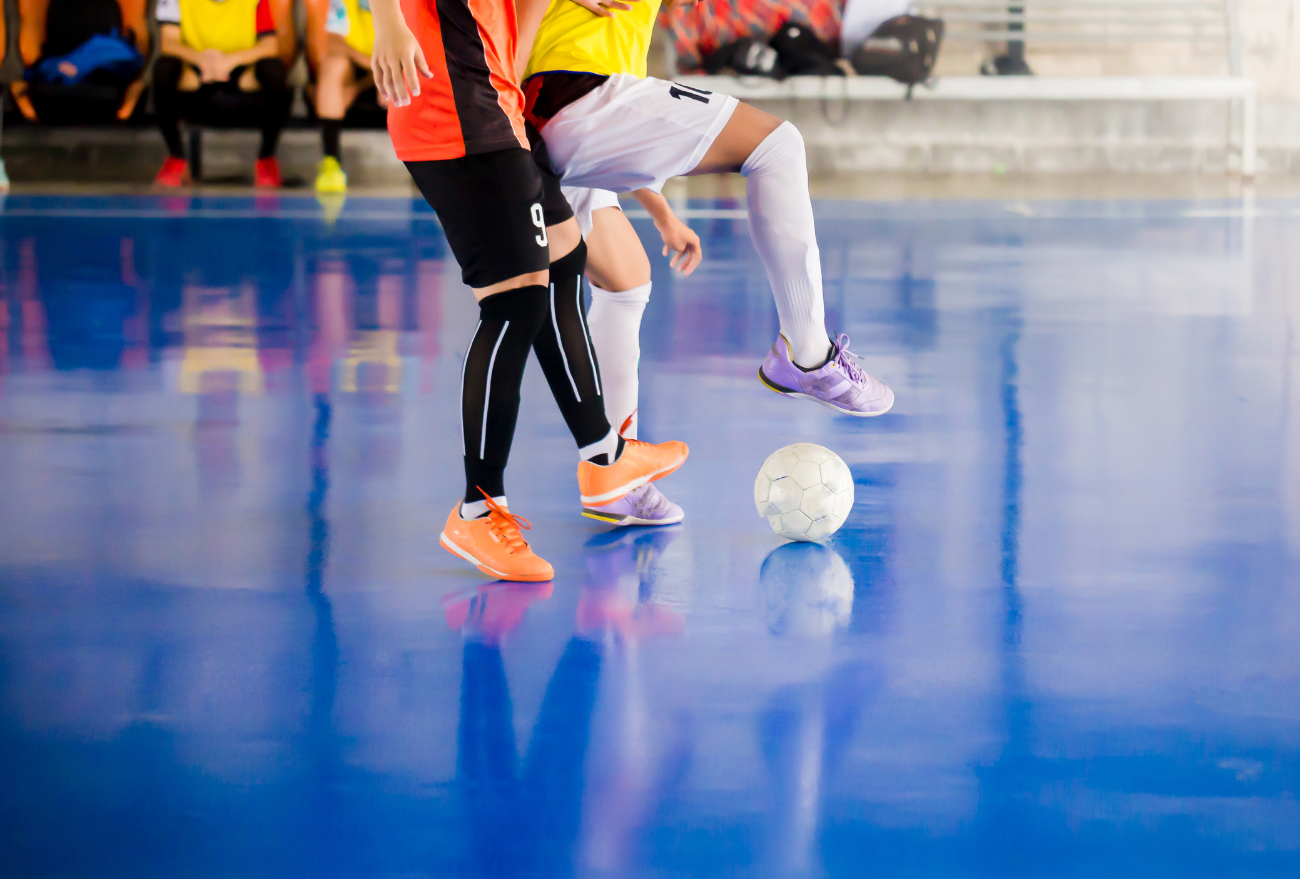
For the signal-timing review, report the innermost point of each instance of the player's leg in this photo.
(335, 90)
(632, 133)
(619, 272)
(270, 79)
(484, 203)
(171, 78)
(770, 155)
(610, 466)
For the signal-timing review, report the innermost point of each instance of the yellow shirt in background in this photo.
(226, 25)
(573, 39)
(350, 19)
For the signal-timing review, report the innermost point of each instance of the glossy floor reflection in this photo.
(1059, 636)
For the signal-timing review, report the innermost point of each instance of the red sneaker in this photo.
(266, 173)
(173, 174)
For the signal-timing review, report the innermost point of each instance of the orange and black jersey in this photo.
(473, 104)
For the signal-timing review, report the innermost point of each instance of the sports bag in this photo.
(801, 52)
(747, 56)
(102, 52)
(904, 48)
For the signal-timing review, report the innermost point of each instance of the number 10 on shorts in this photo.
(679, 91)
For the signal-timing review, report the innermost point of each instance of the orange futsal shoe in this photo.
(640, 463)
(493, 544)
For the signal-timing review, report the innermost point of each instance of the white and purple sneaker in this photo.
(839, 384)
(641, 506)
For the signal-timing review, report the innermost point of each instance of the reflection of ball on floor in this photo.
(805, 491)
(807, 589)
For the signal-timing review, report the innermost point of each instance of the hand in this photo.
(682, 243)
(397, 62)
(212, 66)
(597, 7)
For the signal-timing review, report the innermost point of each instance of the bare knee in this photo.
(332, 85)
(616, 261)
(562, 238)
(189, 80)
(745, 130)
(531, 279)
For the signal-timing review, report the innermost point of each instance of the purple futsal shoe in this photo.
(641, 506)
(839, 384)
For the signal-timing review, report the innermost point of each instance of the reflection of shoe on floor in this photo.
(617, 563)
(641, 506)
(601, 611)
(493, 544)
(493, 610)
(839, 383)
(640, 463)
(330, 177)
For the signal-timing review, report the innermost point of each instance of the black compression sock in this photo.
(564, 350)
(493, 372)
(331, 136)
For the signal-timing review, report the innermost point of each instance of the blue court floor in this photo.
(1059, 635)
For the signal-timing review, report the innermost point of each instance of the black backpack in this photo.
(747, 56)
(904, 48)
(802, 53)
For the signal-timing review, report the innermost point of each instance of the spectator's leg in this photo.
(334, 92)
(167, 72)
(273, 79)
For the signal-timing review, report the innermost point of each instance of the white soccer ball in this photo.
(805, 491)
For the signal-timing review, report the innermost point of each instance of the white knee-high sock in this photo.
(615, 323)
(781, 225)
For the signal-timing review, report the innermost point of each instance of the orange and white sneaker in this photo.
(493, 544)
(640, 463)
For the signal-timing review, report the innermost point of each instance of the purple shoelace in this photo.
(848, 360)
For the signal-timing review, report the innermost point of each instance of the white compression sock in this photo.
(615, 323)
(477, 509)
(607, 446)
(781, 225)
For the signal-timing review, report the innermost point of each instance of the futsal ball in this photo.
(805, 491)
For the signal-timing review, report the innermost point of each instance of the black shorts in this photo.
(494, 208)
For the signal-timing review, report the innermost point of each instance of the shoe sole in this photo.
(610, 496)
(790, 392)
(451, 547)
(616, 520)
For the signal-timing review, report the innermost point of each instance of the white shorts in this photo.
(586, 202)
(631, 133)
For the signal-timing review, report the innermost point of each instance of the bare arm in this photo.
(679, 239)
(397, 60)
(266, 47)
(529, 15)
(170, 43)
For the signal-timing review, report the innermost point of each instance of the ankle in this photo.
(810, 352)
(604, 451)
(470, 510)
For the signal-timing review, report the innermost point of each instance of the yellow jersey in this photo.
(226, 25)
(575, 40)
(350, 19)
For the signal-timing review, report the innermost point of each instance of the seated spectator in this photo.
(220, 65)
(83, 60)
(342, 80)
